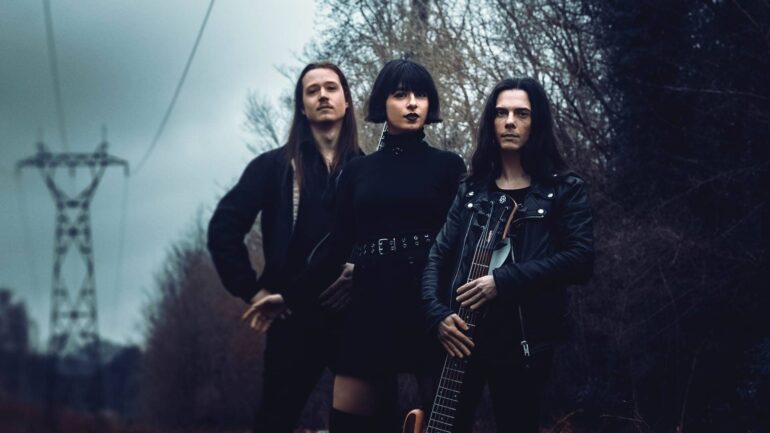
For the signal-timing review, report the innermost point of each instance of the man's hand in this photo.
(476, 293)
(338, 294)
(262, 312)
(455, 342)
(260, 294)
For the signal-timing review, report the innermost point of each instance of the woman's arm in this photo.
(447, 241)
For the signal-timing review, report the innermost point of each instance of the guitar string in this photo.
(451, 363)
(484, 252)
(446, 374)
(457, 366)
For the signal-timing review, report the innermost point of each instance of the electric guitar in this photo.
(494, 217)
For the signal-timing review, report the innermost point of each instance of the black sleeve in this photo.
(456, 174)
(438, 264)
(572, 263)
(231, 221)
(325, 264)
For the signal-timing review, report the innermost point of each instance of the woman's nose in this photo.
(412, 102)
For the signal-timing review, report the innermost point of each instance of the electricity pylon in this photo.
(74, 330)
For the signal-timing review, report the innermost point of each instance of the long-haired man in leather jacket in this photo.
(550, 247)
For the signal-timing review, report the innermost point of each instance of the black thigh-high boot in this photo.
(344, 422)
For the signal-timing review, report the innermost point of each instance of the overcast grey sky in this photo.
(119, 62)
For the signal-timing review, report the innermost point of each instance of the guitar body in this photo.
(414, 421)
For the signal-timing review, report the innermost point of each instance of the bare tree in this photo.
(468, 47)
(265, 122)
(202, 366)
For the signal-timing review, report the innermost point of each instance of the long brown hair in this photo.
(347, 143)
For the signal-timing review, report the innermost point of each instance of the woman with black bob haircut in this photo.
(407, 76)
(547, 246)
(389, 207)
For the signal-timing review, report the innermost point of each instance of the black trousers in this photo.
(516, 391)
(297, 352)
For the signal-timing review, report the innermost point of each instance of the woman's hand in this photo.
(476, 293)
(337, 295)
(451, 336)
(264, 310)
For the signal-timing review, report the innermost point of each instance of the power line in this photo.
(177, 91)
(52, 59)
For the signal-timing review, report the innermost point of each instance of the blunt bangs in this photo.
(402, 75)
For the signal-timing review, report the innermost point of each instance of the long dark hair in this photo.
(402, 75)
(347, 143)
(540, 157)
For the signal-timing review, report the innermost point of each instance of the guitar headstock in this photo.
(494, 215)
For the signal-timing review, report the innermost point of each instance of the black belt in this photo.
(384, 246)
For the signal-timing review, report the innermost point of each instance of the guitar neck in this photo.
(450, 385)
(442, 415)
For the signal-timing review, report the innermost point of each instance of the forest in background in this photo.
(662, 106)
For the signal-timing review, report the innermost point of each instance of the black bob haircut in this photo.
(402, 75)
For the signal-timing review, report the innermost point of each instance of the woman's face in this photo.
(406, 111)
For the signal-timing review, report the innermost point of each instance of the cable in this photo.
(52, 59)
(176, 92)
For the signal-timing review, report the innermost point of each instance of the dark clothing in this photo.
(266, 186)
(296, 354)
(516, 390)
(301, 346)
(403, 189)
(518, 195)
(551, 239)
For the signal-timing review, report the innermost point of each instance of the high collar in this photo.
(406, 142)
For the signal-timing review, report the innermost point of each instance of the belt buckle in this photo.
(380, 246)
(391, 243)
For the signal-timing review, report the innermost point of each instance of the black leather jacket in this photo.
(552, 240)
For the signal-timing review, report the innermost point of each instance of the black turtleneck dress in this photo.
(405, 189)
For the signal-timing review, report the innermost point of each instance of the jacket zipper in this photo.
(524, 343)
(531, 217)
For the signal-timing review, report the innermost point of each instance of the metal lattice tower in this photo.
(74, 328)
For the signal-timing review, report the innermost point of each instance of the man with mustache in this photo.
(292, 187)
